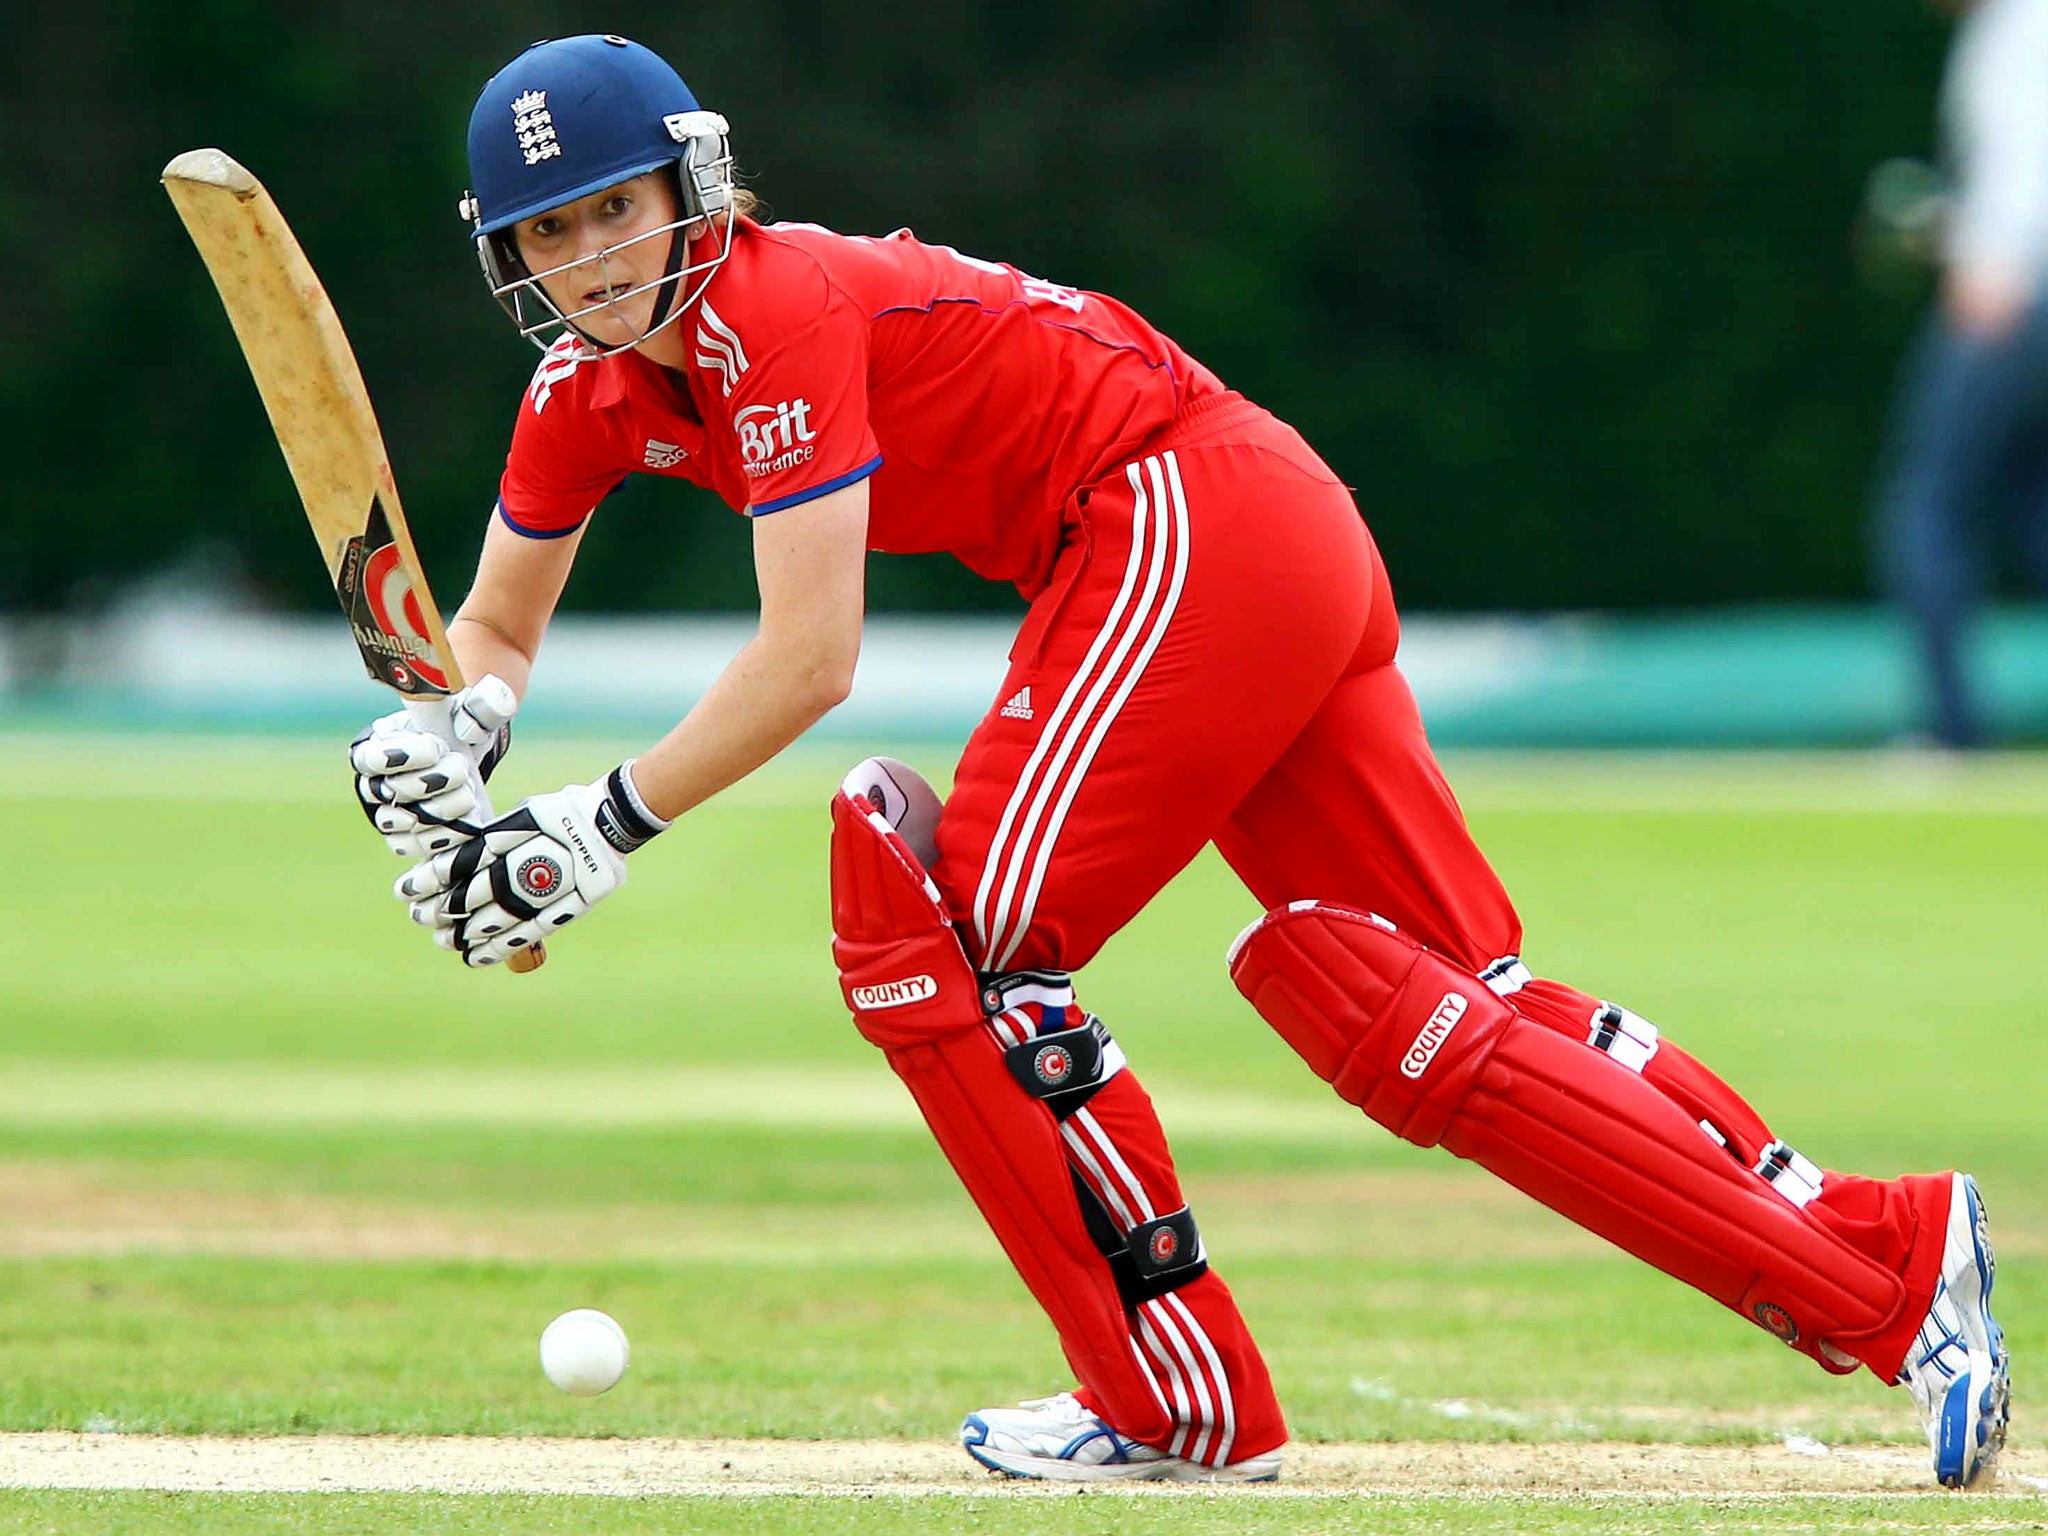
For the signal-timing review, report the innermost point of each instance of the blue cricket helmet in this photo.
(568, 118)
(572, 116)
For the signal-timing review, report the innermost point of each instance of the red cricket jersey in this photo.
(978, 399)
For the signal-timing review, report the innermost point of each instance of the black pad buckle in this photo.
(1154, 1257)
(1161, 1255)
(1063, 1068)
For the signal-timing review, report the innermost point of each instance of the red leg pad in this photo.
(1898, 1224)
(913, 993)
(1425, 1049)
(1682, 1078)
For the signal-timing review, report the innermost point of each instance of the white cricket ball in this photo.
(584, 1352)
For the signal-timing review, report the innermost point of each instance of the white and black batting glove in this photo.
(420, 773)
(532, 870)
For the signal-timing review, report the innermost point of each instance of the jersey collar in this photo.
(610, 386)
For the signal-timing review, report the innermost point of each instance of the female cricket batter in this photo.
(1208, 657)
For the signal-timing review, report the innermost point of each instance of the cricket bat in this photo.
(313, 390)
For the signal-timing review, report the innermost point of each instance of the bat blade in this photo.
(312, 389)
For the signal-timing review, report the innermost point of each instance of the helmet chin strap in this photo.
(665, 295)
(678, 248)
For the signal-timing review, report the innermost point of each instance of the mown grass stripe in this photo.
(296, 770)
(45, 1093)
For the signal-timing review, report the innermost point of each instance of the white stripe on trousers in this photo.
(1219, 1453)
(1128, 1205)
(1124, 1196)
(1181, 1409)
(1122, 1215)
(1202, 1404)
(1194, 1436)
(1169, 493)
(1000, 922)
(1010, 1028)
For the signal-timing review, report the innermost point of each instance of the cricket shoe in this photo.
(1957, 1369)
(1058, 1439)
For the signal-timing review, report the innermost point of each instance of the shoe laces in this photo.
(1063, 1406)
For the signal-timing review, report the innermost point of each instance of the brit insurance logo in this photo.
(775, 437)
(535, 125)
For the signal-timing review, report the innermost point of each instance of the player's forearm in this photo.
(768, 695)
(519, 580)
(482, 647)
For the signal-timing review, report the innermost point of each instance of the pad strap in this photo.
(1154, 1257)
(1064, 1069)
(1050, 992)
(1160, 1255)
(1058, 1054)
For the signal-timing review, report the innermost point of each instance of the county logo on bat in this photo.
(384, 612)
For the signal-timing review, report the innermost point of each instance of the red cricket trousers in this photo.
(1213, 660)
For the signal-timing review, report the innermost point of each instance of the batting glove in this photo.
(532, 870)
(420, 771)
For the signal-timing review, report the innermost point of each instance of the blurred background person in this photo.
(1968, 449)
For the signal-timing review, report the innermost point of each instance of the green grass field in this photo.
(271, 1165)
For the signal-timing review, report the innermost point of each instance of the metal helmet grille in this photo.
(707, 188)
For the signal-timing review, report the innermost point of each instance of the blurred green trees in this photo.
(1564, 290)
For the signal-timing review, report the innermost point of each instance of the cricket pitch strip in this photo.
(458, 1464)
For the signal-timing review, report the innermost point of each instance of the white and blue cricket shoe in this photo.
(1057, 1439)
(1957, 1369)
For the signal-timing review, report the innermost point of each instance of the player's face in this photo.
(570, 238)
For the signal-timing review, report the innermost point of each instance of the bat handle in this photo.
(432, 715)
